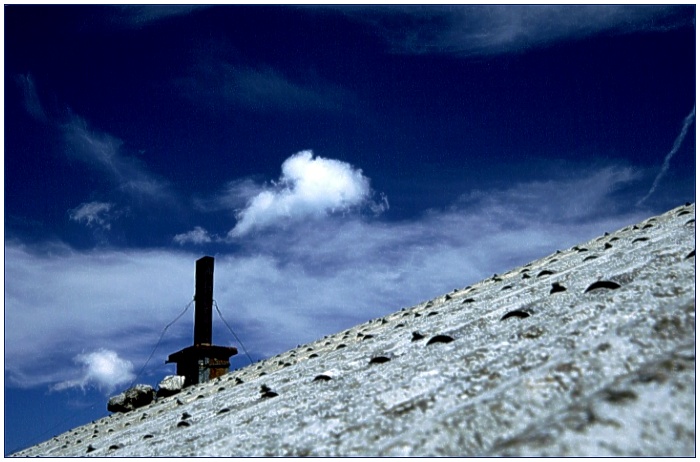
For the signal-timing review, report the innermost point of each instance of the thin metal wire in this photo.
(159, 340)
(232, 332)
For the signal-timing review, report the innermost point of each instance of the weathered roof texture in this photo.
(587, 352)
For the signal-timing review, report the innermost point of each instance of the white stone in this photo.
(170, 385)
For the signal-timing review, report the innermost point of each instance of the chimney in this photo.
(203, 298)
(202, 361)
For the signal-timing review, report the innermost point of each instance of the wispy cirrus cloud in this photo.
(261, 89)
(103, 152)
(592, 189)
(234, 195)
(689, 119)
(473, 30)
(99, 150)
(143, 15)
(94, 214)
(292, 285)
(32, 103)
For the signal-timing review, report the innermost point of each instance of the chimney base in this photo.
(202, 363)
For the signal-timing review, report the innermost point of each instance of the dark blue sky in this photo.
(339, 162)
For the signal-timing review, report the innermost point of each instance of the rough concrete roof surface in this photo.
(587, 352)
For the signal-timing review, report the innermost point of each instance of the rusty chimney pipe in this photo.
(202, 361)
(203, 297)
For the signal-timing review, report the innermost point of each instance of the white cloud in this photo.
(103, 369)
(60, 303)
(287, 288)
(93, 214)
(495, 29)
(198, 235)
(309, 187)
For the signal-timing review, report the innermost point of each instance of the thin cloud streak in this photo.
(689, 119)
(32, 103)
(99, 150)
(266, 88)
(103, 152)
(233, 196)
(483, 30)
(294, 285)
(261, 89)
(144, 15)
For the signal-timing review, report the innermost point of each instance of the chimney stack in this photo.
(203, 298)
(202, 361)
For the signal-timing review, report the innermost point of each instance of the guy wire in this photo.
(159, 340)
(232, 332)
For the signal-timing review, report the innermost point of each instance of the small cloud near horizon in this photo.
(103, 369)
(198, 235)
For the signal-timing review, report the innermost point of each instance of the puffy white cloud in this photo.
(93, 214)
(103, 369)
(198, 235)
(309, 187)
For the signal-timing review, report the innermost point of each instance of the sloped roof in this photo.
(587, 352)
